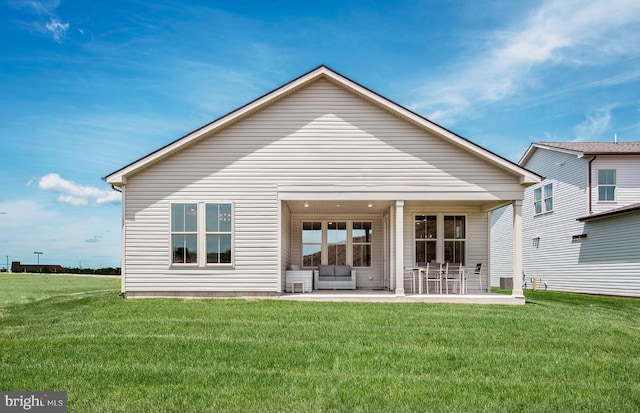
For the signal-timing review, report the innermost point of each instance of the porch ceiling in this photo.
(338, 207)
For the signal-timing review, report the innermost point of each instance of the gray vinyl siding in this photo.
(607, 261)
(320, 135)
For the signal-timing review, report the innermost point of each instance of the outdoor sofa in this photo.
(334, 277)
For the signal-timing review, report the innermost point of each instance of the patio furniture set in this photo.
(444, 277)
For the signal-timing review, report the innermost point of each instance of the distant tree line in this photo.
(101, 271)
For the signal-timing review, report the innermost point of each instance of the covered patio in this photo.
(385, 241)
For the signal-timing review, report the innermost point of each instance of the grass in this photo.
(560, 352)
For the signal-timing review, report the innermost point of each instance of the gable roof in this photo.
(118, 178)
(581, 149)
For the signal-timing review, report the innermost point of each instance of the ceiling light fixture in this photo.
(306, 205)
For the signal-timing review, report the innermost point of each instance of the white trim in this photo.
(399, 207)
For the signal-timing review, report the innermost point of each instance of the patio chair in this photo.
(433, 275)
(420, 269)
(453, 274)
(410, 275)
(476, 274)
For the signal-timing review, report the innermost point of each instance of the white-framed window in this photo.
(455, 238)
(218, 233)
(606, 185)
(426, 236)
(311, 244)
(440, 238)
(543, 199)
(361, 236)
(184, 233)
(201, 234)
(335, 242)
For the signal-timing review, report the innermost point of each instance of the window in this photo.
(184, 233)
(311, 244)
(218, 233)
(454, 239)
(361, 235)
(426, 235)
(201, 230)
(337, 243)
(607, 185)
(543, 199)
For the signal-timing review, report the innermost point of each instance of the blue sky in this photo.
(88, 87)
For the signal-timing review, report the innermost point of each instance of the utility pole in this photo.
(38, 253)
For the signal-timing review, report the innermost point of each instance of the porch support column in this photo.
(399, 247)
(517, 250)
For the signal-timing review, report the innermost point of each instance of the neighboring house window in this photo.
(361, 235)
(311, 244)
(426, 236)
(218, 233)
(209, 223)
(455, 238)
(543, 199)
(607, 185)
(337, 243)
(184, 233)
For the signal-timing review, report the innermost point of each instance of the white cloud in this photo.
(567, 33)
(594, 125)
(75, 194)
(48, 21)
(57, 29)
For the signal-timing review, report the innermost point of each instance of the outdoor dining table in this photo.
(444, 277)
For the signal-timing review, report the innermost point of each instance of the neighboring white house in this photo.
(319, 171)
(581, 224)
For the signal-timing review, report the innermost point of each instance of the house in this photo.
(319, 171)
(581, 224)
(44, 268)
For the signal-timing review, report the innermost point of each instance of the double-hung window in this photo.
(455, 238)
(606, 185)
(184, 233)
(543, 199)
(440, 238)
(201, 233)
(426, 233)
(361, 237)
(311, 244)
(218, 233)
(337, 243)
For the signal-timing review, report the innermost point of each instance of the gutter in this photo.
(589, 177)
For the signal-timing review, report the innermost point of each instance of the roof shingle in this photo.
(596, 148)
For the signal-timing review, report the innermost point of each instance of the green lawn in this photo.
(558, 353)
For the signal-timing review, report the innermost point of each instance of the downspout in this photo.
(589, 199)
(115, 188)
